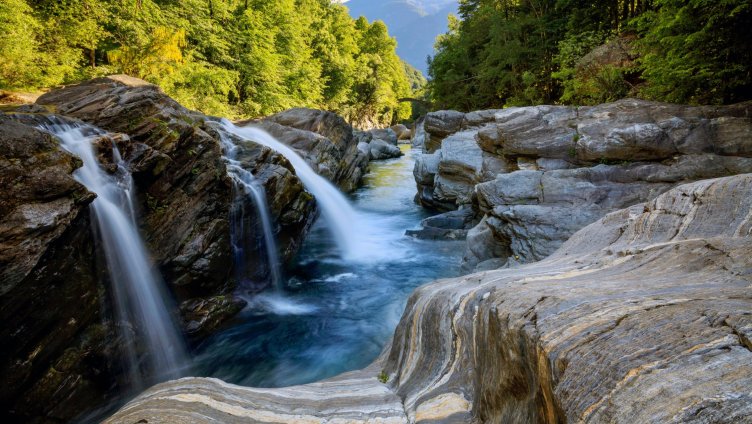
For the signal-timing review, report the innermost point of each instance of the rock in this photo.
(452, 225)
(439, 125)
(459, 170)
(642, 316)
(546, 171)
(379, 150)
(418, 133)
(402, 132)
(58, 347)
(375, 148)
(204, 316)
(334, 154)
(426, 168)
(386, 134)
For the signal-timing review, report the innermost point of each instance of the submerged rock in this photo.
(642, 316)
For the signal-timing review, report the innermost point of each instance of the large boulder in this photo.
(185, 193)
(62, 352)
(59, 349)
(325, 140)
(642, 316)
(376, 148)
(540, 173)
(402, 132)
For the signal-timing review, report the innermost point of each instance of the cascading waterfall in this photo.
(137, 289)
(335, 208)
(245, 185)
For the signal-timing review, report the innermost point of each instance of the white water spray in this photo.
(335, 208)
(137, 291)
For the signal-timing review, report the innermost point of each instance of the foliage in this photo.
(500, 53)
(18, 46)
(697, 51)
(583, 77)
(235, 58)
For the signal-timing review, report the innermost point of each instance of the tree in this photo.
(19, 49)
(697, 51)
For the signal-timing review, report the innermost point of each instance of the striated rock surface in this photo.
(535, 175)
(642, 316)
(62, 352)
(181, 179)
(325, 140)
(51, 300)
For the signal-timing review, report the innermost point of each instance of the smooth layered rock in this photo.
(547, 171)
(326, 142)
(642, 316)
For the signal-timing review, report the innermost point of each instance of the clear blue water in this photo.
(335, 315)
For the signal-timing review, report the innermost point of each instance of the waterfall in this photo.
(335, 208)
(247, 185)
(137, 289)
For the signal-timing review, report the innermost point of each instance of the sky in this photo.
(414, 23)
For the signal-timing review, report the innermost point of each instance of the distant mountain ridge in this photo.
(414, 23)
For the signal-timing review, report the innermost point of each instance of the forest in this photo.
(501, 53)
(234, 58)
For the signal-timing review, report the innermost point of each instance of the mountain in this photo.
(414, 23)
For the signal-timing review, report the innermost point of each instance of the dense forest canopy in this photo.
(235, 58)
(519, 52)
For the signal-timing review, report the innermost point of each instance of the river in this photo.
(335, 315)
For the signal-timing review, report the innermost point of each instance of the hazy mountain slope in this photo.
(414, 23)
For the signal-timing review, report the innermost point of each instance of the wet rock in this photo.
(452, 225)
(56, 350)
(183, 188)
(203, 316)
(330, 146)
(642, 316)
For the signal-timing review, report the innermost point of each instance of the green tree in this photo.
(19, 49)
(697, 51)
